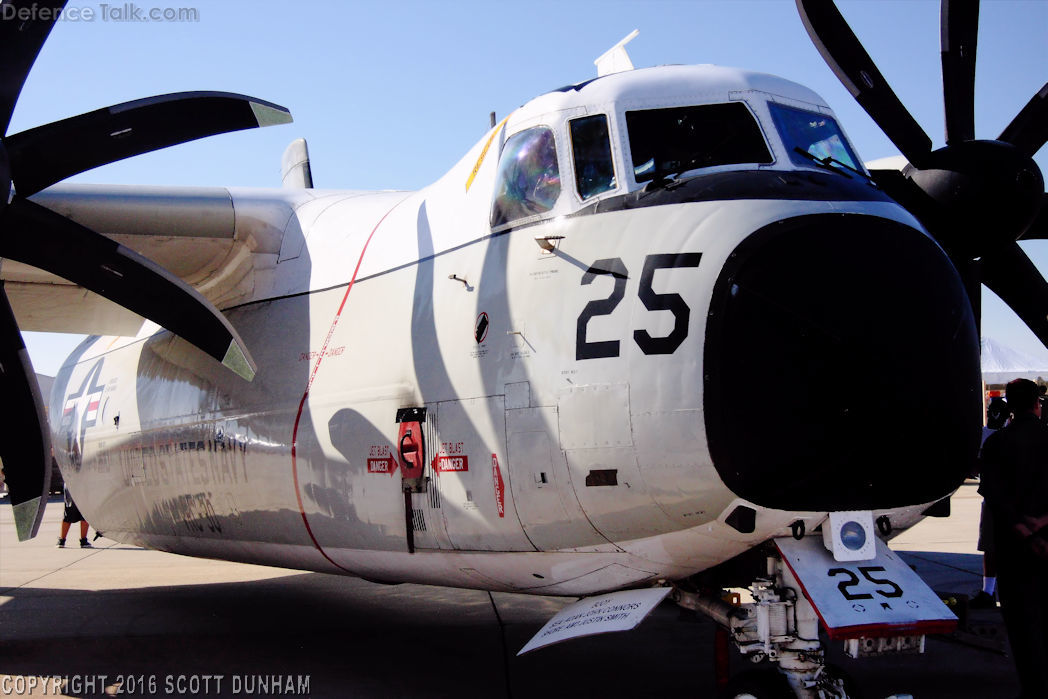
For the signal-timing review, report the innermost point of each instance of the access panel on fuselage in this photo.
(469, 465)
(541, 485)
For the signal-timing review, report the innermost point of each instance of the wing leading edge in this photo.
(193, 233)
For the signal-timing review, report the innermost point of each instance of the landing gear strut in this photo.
(780, 625)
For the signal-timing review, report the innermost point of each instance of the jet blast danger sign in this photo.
(386, 465)
(444, 463)
(380, 460)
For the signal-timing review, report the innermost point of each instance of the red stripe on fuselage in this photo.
(309, 384)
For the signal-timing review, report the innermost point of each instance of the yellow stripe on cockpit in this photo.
(480, 160)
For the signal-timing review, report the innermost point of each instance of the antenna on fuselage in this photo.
(615, 59)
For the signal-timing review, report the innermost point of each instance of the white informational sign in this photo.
(615, 611)
(879, 597)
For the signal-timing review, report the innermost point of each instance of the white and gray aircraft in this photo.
(547, 372)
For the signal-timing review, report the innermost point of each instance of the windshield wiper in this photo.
(669, 178)
(829, 161)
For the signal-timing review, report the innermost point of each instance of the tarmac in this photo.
(117, 620)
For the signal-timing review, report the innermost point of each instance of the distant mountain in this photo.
(1001, 364)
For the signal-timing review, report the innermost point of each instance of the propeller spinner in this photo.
(37, 158)
(976, 197)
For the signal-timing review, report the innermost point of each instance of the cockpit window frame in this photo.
(775, 108)
(627, 149)
(563, 167)
(612, 156)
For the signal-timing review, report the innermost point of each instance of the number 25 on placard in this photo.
(851, 580)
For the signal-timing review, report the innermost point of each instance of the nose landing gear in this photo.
(780, 625)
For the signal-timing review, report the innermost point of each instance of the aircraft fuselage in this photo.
(558, 394)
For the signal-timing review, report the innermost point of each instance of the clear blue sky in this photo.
(389, 95)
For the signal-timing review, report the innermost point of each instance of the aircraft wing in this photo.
(195, 233)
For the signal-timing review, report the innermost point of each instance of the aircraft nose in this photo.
(841, 367)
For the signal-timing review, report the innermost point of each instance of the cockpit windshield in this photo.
(528, 178)
(665, 142)
(591, 151)
(815, 134)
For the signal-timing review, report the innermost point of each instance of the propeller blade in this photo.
(856, 70)
(1029, 129)
(1038, 230)
(47, 154)
(959, 21)
(1010, 274)
(24, 28)
(39, 237)
(25, 441)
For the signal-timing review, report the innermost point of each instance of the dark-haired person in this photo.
(69, 516)
(997, 414)
(1015, 486)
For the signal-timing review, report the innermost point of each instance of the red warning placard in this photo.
(445, 463)
(386, 465)
(500, 486)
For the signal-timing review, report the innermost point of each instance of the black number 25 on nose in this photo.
(585, 349)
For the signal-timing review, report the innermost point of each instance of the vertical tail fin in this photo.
(294, 166)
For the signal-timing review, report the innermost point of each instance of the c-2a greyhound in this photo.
(609, 350)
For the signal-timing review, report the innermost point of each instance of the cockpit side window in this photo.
(665, 142)
(812, 133)
(591, 150)
(528, 178)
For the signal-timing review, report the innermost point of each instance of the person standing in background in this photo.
(1015, 486)
(71, 515)
(997, 414)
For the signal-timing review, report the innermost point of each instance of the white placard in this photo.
(854, 599)
(615, 611)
